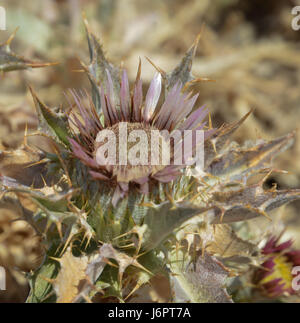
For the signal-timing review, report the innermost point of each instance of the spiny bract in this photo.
(110, 231)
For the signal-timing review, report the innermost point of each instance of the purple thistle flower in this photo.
(174, 114)
(274, 278)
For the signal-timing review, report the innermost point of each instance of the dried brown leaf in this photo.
(66, 284)
(226, 243)
(23, 165)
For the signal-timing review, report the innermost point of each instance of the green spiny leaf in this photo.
(164, 219)
(40, 283)
(51, 123)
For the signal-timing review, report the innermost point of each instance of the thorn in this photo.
(214, 146)
(262, 181)
(195, 81)
(137, 286)
(125, 234)
(43, 179)
(67, 243)
(11, 37)
(42, 161)
(79, 71)
(33, 93)
(58, 226)
(37, 65)
(128, 246)
(222, 215)
(209, 121)
(162, 72)
(260, 212)
(139, 71)
(170, 198)
(266, 215)
(55, 259)
(148, 204)
(194, 46)
(25, 135)
(48, 225)
(88, 237)
(62, 163)
(108, 262)
(48, 280)
(85, 21)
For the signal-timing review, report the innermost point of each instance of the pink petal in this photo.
(195, 118)
(179, 105)
(152, 96)
(184, 108)
(144, 188)
(124, 186)
(100, 176)
(137, 100)
(125, 97)
(164, 178)
(111, 104)
(107, 119)
(142, 180)
(168, 174)
(82, 110)
(78, 151)
(167, 107)
(118, 194)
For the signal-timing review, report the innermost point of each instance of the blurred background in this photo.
(247, 46)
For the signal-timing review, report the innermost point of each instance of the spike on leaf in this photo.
(10, 61)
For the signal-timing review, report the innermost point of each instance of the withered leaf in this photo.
(239, 163)
(72, 271)
(24, 165)
(247, 203)
(198, 281)
(226, 243)
(98, 262)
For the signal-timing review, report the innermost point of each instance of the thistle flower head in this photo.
(138, 115)
(275, 277)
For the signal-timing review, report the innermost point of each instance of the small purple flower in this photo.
(175, 113)
(275, 277)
